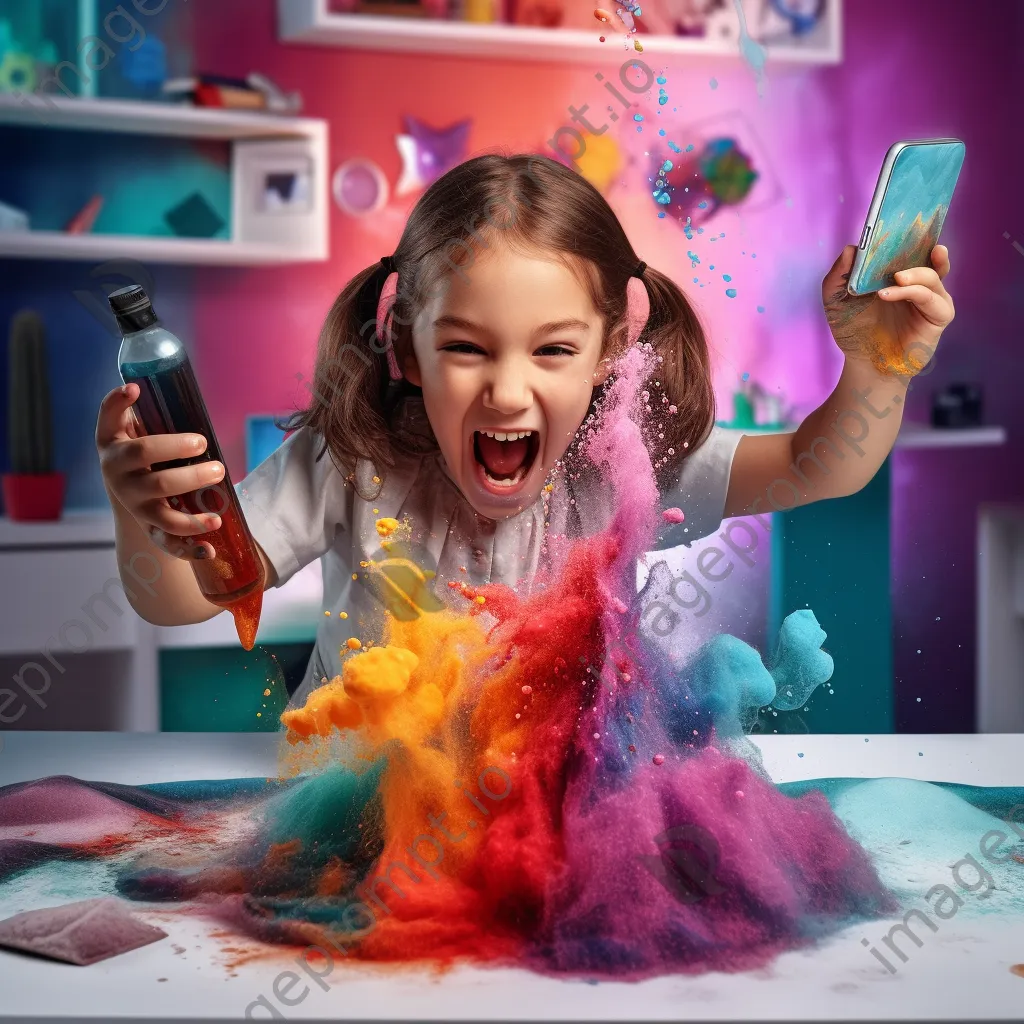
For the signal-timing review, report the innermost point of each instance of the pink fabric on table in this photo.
(78, 933)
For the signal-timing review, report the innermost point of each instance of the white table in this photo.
(960, 974)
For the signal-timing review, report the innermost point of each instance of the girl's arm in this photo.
(887, 338)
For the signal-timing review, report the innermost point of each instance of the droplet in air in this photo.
(658, 759)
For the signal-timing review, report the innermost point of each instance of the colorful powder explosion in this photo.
(525, 781)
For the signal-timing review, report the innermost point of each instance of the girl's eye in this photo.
(462, 346)
(555, 350)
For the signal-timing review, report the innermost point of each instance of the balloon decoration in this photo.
(359, 187)
(428, 152)
(695, 184)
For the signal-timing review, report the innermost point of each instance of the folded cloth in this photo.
(78, 933)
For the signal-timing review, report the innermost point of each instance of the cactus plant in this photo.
(30, 422)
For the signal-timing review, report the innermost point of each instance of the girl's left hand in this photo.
(898, 328)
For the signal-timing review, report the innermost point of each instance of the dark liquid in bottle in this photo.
(170, 403)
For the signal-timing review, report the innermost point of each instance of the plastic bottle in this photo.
(170, 403)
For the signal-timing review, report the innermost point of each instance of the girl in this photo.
(450, 383)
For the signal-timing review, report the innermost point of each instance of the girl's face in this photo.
(507, 357)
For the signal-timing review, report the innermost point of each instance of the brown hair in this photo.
(541, 206)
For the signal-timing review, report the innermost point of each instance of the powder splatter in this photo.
(753, 52)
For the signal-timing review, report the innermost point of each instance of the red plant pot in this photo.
(33, 497)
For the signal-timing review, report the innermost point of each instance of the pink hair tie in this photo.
(638, 306)
(388, 296)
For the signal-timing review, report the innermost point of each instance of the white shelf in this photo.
(75, 527)
(310, 21)
(259, 142)
(919, 435)
(57, 245)
(136, 117)
(916, 435)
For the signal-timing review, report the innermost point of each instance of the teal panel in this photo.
(833, 557)
(222, 689)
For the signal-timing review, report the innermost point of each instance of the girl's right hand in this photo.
(126, 460)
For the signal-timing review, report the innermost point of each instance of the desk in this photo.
(960, 974)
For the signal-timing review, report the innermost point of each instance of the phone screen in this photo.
(911, 215)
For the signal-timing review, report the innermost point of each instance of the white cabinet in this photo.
(68, 633)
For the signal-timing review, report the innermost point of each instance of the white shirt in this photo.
(299, 509)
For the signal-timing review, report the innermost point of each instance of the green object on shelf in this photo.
(742, 411)
(833, 557)
(222, 689)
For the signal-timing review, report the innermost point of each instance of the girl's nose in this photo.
(508, 390)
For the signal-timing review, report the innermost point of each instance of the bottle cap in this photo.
(132, 307)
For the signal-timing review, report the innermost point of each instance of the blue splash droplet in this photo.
(689, 148)
(727, 277)
(661, 79)
(731, 292)
(745, 376)
(661, 131)
(713, 83)
(702, 205)
(760, 309)
(667, 166)
(799, 755)
(638, 117)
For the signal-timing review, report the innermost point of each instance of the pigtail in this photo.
(684, 373)
(352, 400)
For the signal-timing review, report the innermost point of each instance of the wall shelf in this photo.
(312, 22)
(56, 245)
(260, 144)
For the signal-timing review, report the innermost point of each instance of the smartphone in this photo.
(912, 197)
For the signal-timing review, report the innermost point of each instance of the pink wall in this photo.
(517, 106)
(921, 68)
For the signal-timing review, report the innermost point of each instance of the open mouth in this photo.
(505, 458)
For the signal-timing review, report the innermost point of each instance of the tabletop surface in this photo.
(960, 974)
